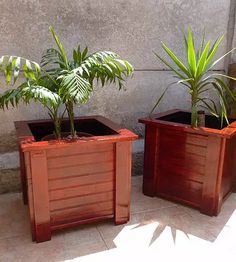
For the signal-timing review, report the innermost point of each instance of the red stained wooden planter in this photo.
(194, 166)
(68, 183)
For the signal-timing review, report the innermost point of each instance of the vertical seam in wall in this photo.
(230, 33)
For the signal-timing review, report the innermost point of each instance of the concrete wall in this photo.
(131, 28)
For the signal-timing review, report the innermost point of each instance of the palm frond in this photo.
(74, 87)
(11, 66)
(26, 93)
(61, 49)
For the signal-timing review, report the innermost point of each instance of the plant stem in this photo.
(194, 115)
(57, 128)
(53, 113)
(70, 111)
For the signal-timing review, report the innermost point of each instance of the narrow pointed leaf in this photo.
(191, 53)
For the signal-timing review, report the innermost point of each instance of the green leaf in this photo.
(176, 60)
(1, 62)
(202, 44)
(202, 61)
(60, 47)
(218, 60)
(85, 52)
(212, 110)
(8, 70)
(213, 50)
(168, 65)
(191, 53)
(159, 100)
(17, 68)
(75, 57)
(223, 75)
(225, 87)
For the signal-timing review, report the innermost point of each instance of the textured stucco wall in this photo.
(132, 28)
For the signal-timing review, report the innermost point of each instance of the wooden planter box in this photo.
(68, 183)
(196, 167)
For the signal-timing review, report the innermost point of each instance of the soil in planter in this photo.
(66, 135)
(185, 118)
(90, 126)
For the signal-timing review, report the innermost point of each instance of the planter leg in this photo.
(150, 161)
(211, 196)
(40, 196)
(122, 182)
(23, 177)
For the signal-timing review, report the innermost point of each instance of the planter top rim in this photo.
(27, 140)
(226, 132)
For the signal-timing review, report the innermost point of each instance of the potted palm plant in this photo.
(81, 172)
(189, 156)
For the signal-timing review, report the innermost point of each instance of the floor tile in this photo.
(158, 229)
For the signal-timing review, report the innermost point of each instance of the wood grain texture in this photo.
(211, 192)
(73, 202)
(40, 196)
(30, 193)
(81, 212)
(123, 182)
(87, 169)
(76, 182)
(233, 163)
(181, 172)
(151, 158)
(194, 166)
(23, 176)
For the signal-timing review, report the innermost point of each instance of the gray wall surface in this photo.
(133, 29)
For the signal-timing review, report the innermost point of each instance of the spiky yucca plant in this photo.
(59, 81)
(198, 76)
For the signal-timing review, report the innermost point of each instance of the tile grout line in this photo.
(150, 210)
(102, 238)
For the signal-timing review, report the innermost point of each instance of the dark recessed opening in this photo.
(185, 118)
(91, 126)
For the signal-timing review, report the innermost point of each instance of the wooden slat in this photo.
(151, 157)
(80, 149)
(186, 167)
(23, 176)
(183, 158)
(86, 169)
(80, 201)
(77, 160)
(81, 212)
(227, 169)
(171, 136)
(232, 163)
(81, 190)
(40, 195)
(123, 183)
(188, 148)
(80, 180)
(213, 176)
(182, 173)
(183, 189)
(196, 140)
(30, 193)
(80, 219)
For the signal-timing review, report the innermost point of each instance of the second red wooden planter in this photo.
(68, 183)
(194, 166)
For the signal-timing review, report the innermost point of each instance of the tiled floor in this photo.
(159, 230)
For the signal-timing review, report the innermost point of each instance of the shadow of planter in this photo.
(72, 182)
(193, 166)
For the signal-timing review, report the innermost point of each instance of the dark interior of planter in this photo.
(91, 126)
(185, 118)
